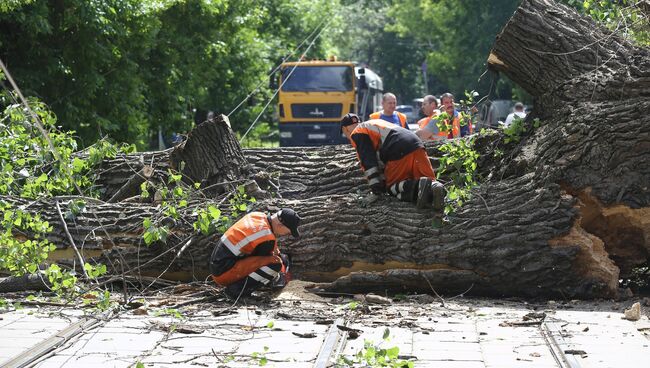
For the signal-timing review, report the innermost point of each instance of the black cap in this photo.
(349, 119)
(290, 219)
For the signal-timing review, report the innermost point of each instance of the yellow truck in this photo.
(314, 96)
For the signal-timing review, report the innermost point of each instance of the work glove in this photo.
(285, 275)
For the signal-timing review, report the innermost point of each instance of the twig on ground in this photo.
(74, 246)
(434, 291)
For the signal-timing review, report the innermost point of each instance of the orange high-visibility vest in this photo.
(433, 119)
(402, 118)
(376, 129)
(247, 233)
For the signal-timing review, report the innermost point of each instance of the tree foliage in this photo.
(129, 68)
(458, 36)
(629, 18)
(364, 32)
(124, 68)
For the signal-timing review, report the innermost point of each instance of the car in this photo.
(409, 111)
(493, 112)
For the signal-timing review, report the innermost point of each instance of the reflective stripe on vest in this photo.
(247, 233)
(376, 129)
(269, 271)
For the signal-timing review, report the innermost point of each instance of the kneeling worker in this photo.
(247, 255)
(408, 174)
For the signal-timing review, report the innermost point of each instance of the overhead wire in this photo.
(277, 67)
(284, 80)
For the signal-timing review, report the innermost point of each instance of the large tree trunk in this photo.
(563, 212)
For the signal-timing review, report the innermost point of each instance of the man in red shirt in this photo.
(247, 255)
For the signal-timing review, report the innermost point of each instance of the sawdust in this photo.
(297, 290)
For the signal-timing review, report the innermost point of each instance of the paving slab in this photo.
(24, 328)
(471, 333)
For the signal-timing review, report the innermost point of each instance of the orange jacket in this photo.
(423, 124)
(402, 118)
(378, 140)
(456, 129)
(248, 233)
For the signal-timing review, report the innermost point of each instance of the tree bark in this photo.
(563, 212)
(132, 186)
(22, 283)
(211, 156)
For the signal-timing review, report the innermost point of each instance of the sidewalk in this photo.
(289, 331)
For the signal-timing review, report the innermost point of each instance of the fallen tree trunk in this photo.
(564, 212)
(22, 283)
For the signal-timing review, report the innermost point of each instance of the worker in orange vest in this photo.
(393, 158)
(388, 104)
(247, 255)
(427, 127)
(457, 128)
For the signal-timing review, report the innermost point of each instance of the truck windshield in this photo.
(317, 78)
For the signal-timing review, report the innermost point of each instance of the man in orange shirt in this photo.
(388, 104)
(247, 255)
(457, 127)
(393, 158)
(428, 127)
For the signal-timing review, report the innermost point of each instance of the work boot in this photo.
(424, 193)
(438, 196)
(238, 289)
(406, 190)
(411, 190)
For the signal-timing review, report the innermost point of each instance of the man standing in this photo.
(247, 255)
(428, 128)
(519, 112)
(388, 104)
(407, 174)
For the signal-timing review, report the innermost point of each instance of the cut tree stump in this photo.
(565, 212)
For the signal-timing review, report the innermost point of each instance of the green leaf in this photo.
(215, 213)
(149, 238)
(386, 333)
(78, 165)
(175, 178)
(392, 353)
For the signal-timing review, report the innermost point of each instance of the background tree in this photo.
(363, 33)
(127, 68)
(459, 34)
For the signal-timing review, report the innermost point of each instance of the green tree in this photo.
(458, 35)
(627, 17)
(78, 56)
(363, 32)
(127, 68)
